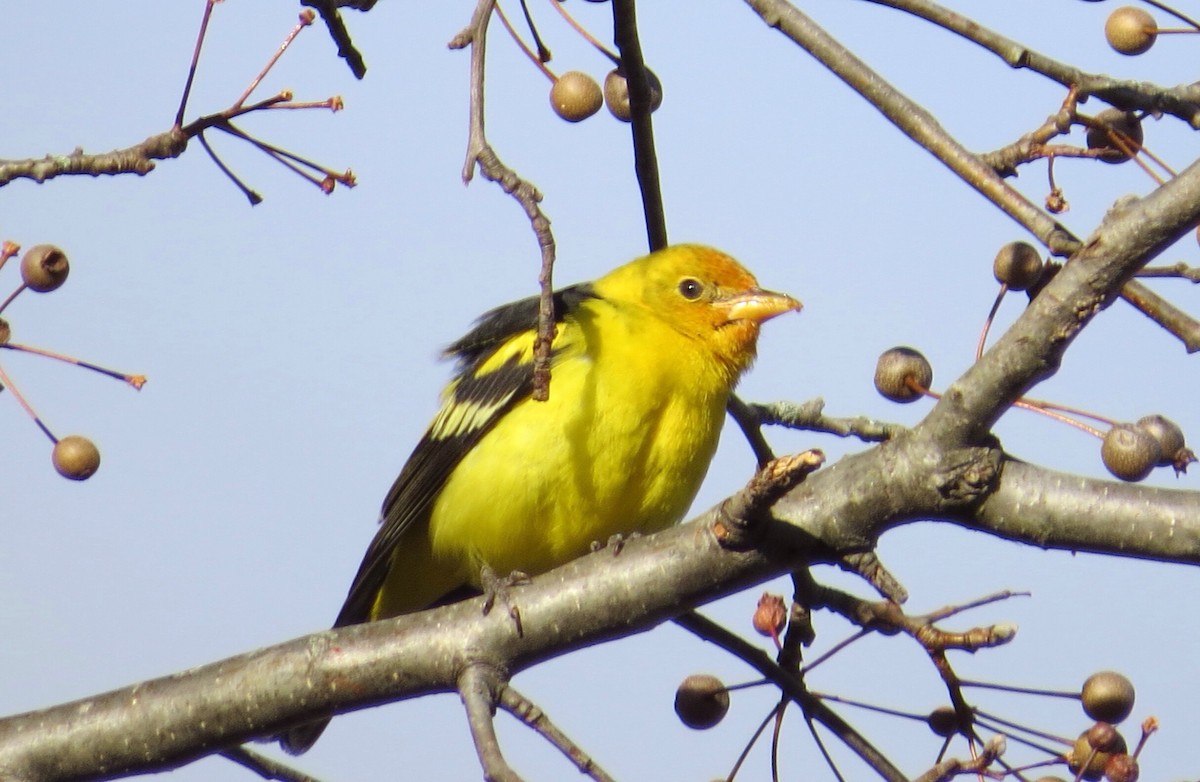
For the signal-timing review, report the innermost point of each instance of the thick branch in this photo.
(1055, 510)
(1130, 236)
(175, 719)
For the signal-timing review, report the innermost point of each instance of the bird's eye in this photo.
(690, 289)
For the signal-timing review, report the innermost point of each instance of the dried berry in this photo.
(1170, 441)
(616, 94)
(575, 96)
(1130, 452)
(44, 268)
(1087, 761)
(1018, 265)
(701, 701)
(1107, 696)
(1130, 30)
(1125, 125)
(943, 721)
(76, 457)
(901, 373)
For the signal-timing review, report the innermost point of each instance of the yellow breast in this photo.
(621, 446)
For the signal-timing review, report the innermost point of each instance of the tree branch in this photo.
(914, 121)
(1182, 101)
(138, 159)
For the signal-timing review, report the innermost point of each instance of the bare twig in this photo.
(187, 85)
(481, 154)
(810, 416)
(527, 712)
(1182, 102)
(751, 425)
(138, 159)
(306, 18)
(265, 767)
(477, 686)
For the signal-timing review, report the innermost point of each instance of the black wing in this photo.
(475, 403)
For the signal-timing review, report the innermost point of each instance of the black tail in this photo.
(298, 740)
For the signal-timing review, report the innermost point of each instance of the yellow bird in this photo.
(643, 364)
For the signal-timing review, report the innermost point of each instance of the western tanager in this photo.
(643, 364)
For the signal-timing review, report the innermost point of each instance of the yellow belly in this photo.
(554, 477)
(621, 446)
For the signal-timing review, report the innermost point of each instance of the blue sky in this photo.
(292, 348)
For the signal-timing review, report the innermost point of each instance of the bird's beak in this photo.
(756, 305)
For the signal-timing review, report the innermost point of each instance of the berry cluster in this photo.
(44, 268)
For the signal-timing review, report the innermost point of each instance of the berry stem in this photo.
(542, 51)
(562, 11)
(187, 85)
(1169, 10)
(996, 722)
(12, 296)
(137, 381)
(253, 197)
(869, 706)
(839, 646)
(1073, 695)
(333, 104)
(6, 381)
(533, 58)
(286, 158)
(987, 324)
(306, 18)
(1048, 409)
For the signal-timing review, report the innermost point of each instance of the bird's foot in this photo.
(615, 543)
(499, 589)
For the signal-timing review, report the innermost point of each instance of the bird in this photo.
(643, 363)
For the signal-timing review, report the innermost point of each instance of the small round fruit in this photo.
(1105, 738)
(1094, 769)
(943, 721)
(616, 94)
(44, 268)
(575, 96)
(899, 370)
(1130, 452)
(1125, 123)
(1018, 265)
(1169, 437)
(701, 701)
(76, 457)
(1130, 30)
(5, 330)
(1107, 696)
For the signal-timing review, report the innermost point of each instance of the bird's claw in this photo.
(615, 543)
(499, 588)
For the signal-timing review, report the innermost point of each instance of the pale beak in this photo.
(756, 305)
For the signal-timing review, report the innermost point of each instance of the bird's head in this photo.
(704, 294)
